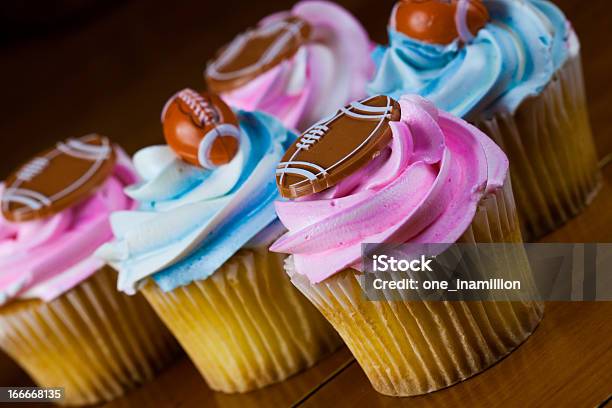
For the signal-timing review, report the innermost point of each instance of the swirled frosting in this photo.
(325, 73)
(45, 258)
(424, 188)
(191, 220)
(512, 58)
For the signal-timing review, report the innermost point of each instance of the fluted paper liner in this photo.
(409, 347)
(552, 155)
(94, 341)
(246, 326)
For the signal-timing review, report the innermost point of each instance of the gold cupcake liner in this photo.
(94, 341)
(552, 155)
(245, 326)
(409, 347)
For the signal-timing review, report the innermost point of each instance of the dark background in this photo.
(70, 67)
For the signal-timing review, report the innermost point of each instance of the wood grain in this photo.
(566, 362)
(595, 222)
(182, 385)
(111, 73)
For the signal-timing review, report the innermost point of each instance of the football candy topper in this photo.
(336, 147)
(256, 51)
(57, 178)
(201, 128)
(439, 21)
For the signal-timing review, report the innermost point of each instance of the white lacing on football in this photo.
(208, 140)
(373, 113)
(291, 29)
(205, 113)
(312, 136)
(316, 132)
(83, 150)
(33, 169)
(30, 199)
(310, 175)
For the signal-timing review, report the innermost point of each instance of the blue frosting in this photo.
(190, 220)
(513, 57)
(253, 215)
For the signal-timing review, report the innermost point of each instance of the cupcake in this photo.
(382, 171)
(61, 318)
(512, 67)
(298, 65)
(196, 247)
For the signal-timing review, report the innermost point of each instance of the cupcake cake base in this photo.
(93, 341)
(552, 156)
(409, 348)
(245, 326)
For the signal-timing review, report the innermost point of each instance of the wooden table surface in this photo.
(567, 362)
(111, 68)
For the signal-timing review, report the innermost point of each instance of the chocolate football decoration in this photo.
(335, 148)
(436, 21)
(201, 128)
(57, 178)
(255, 52)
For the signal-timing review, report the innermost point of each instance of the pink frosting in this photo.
(329, 71)
(424, 188)
(45, 258)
